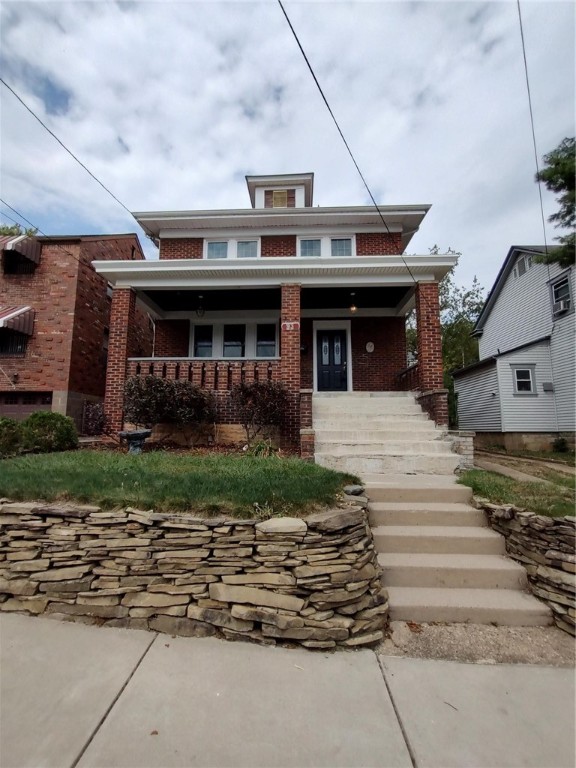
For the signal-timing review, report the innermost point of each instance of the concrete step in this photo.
(438, 539)
(412, 514)
(362, 421)
(477, 606)
(372, 407)
(413, 431)
(452, 571)
(425, 463)
(381, 448)
(362, 395)
(407, 489)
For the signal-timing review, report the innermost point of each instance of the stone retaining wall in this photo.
(546, 548)
(314, 581)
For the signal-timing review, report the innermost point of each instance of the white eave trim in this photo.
(358, 271)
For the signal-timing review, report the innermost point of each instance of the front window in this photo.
(247, 249)
(341, 246)
(524, 380)
(203, 341)
(310, 248)
(217, 249)
(265, 340)
(234, 342)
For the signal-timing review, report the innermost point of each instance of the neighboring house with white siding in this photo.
(521, 393)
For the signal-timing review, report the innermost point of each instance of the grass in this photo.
(551, 500)
(205, 484)
(562, 457)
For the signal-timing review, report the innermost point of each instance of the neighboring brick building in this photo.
(55, 321)
(314, 297)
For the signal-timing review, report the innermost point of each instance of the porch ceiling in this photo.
(270, 298)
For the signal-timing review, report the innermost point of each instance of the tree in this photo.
(559, 176)
(14, 230)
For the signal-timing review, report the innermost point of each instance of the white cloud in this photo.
(171, 103)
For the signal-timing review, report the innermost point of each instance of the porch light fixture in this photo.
(353, 307)
(200, 308)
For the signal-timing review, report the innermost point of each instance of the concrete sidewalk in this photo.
(74, 695)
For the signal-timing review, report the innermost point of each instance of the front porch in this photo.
(340, 328)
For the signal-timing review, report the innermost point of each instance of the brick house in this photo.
(314, 297)
(55, 321)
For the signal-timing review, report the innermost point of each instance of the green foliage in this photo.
(259, 405)
(149, 400)
(7, 230)
(559, 176)
(94, 421)
(560, 444)
(10, 437)
(44, 432)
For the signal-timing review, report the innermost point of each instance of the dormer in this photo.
(284, 191)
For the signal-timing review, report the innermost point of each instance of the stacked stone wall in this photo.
(313, 581)
(546, 548)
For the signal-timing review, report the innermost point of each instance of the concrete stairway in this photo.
(364, 432)
(440, 560)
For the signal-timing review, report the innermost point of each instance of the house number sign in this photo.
(293, 326)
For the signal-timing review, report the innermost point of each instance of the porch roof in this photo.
(273, 272)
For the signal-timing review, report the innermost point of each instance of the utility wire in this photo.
(376, 206)
(88, 171)
(532, 125)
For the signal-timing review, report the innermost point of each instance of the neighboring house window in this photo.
(217, 249)
(231, 249)
(561, 296)
(239, 340)
(523, 265)
(524, 383)
(326, 246)
(12, 343)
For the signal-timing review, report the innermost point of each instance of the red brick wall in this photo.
(51, 291)
(290, 362)
(306, 355)
(278, 245)
(181, 248)
(172, 338)
(378, 243)
(429, 337)
(121, 346)
(376, 371)
(92, 316)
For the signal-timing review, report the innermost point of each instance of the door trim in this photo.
(332, 325)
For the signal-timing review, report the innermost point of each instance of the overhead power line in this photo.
(88, 171)
(532, 124)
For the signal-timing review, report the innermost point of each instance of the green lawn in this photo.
(552, 500)
(205, 484)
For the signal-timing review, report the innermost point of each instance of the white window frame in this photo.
(218, 338)
(564, 277)
(531, 368)
(526, 261)
(326, 245)
(232, 247)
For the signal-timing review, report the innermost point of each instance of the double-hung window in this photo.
(341, 246)
(247, 249)
(232, 249)
(325, 246)
(217, 249)
(561, 295)
(524, 379)
(235, 340)
(310, 248)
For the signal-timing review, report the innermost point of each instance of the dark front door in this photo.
(331, 361)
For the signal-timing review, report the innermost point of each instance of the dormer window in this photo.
(280, 198)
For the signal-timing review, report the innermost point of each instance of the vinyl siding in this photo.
(522, 312)
(478, 408)
(527, 413)
(563, 345)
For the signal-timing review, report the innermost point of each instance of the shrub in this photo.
(44, 432)
(258, 405)
(10, 437)
(146, 400)
(150, 400)
(94, 421)
(560, 445)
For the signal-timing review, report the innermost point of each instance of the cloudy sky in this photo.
(170, 104)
